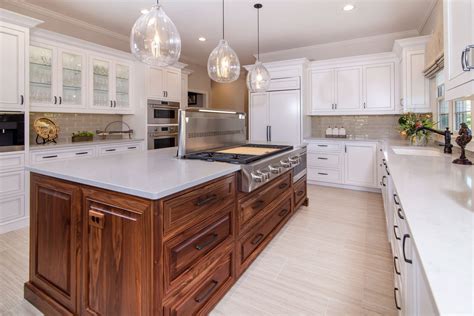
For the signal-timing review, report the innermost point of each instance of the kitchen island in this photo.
(146, 233)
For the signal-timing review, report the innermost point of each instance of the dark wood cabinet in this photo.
(300, 194)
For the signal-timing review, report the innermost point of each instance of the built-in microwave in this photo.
(162, 112)
(162, 136)
(12, 131)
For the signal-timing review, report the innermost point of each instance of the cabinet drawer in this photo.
(257, 235)
(12, 207)
(299, 189)
(199, 300)
(11, 161)
(184, 210)
(324, 160)
(323, 147)
(110, 150)
(62, 154)
(324, 175)
(12, 182)
(251, 206)
(181, 253)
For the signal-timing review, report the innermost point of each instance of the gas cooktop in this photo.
(243, 154)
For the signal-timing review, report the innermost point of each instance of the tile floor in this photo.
(332, 258)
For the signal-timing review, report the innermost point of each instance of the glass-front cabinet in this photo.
(101, 73)
(122, 86)
(56, 77)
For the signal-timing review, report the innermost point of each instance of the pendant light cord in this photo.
(223, 20)
(258, 34)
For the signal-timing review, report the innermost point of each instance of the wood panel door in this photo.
(54, 242)
(117, 263)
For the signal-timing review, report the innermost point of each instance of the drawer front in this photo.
(110, 150)
(257, 235)
(12, 182)
(324, 160)
(209, 290)
(299, 189)
(182, 254)
(324, 175)
(323, 147)
(12, 207)
(254, 204)
(184, 210)
(11, 161)
(62, 155)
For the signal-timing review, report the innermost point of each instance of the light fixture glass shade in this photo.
(258, 78)
(223, 64)
(155, 39)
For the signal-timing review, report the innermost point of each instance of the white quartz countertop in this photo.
(52, 146)
(151, 174)
(346, 139)
(437, 199)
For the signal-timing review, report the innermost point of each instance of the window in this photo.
(462, 113)
(443, 108)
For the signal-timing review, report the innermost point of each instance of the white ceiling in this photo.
(285, 24)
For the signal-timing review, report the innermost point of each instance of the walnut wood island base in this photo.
(98, 252)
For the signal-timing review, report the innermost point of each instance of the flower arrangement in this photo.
(409, 122)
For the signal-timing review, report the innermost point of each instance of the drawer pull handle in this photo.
(283, 186)
(113, 149)
(395, 290)
(322, 145)
(300, 193)
(257, 239)
(383, 181)
(283, 212)
(258, 204)
(206, 200)
(96, 219)
(82, 153)
(395, 260)
(386, 169)
(403, 248)
(395, 227)
(52, 156)
(395, 199)
(207, 292)
(208, 242)
(99, 209)
(322, 158)
(322, 174)
(132, 148)
(399, 212)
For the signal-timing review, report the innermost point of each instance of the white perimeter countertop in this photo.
(151, 174)
(62, 145)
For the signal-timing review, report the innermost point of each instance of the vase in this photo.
(419, 140)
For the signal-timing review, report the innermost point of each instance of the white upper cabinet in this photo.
(379, 87)
(458, 47)
(13, 44)
(164, 84)
(353, 86)
(71, 87)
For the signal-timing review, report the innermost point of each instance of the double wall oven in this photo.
(12, 131)
(162, 119)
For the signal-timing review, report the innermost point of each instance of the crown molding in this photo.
(67, 19)
(360, 59)
(427, 16)
(18, 19)
(399, 45)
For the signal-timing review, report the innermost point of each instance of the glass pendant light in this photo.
(154, 39)
(223, 64)
(258, 78)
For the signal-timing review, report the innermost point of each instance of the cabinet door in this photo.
(258, 117)
(360, 164)
(100, 81)
(172, 85)
(379, 87)
(417, 97)
(43, 76)
(322, 91)
(122, 87)
(156, 83)
(12, 64)
(458, 34)
(285, 117)
(116, 247)
(71, 79)
(184, 91)
(348, 89)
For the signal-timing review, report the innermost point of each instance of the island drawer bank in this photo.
(99, 252)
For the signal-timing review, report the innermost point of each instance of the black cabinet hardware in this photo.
(322, 173)
(113, 149)
(206, 200)
(55, 99)
(383, 181)
(399, 212)
(212, 238)
(322, 145)
(52, 156)
(395, 290)
(283, 212)
(111, 103)
(395, 199)
(60, 100)
(82, 153)
(283, 185)
(257, 239)
(395, 260)
(405, 237)
(205, 295)
(132, 147)
(395, 227)
(22, 99)
(322, 158)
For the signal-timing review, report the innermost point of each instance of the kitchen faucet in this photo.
(447, 137)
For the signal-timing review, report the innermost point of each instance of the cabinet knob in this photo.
(96, 219)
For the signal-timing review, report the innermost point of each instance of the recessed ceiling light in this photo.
(348, 7)
(145, 11)
(202, 39)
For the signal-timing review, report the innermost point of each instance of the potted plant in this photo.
(83, 136)
(410, 122)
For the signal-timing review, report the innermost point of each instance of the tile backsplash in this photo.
(72, 122)
(372, 126)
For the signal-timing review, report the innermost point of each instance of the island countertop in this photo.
(151, 174)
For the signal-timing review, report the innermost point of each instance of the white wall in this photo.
(435, 17)
(199, 79)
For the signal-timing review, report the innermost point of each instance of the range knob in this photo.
(265, 173)
(295, 160)
(257, 176)
(285, 164)
(275, 169)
